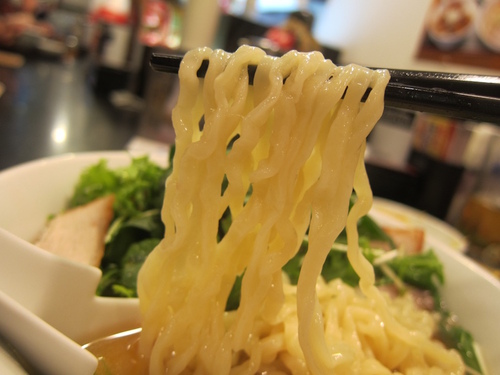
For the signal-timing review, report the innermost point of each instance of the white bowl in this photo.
(32, 191)
(450, 22)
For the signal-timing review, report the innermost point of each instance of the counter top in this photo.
(49, 107)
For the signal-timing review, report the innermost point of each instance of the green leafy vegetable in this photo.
(137, 187)
(123, 233)
(136, 228)
(422, 270)
(122, 291)
(454, 336)
(233, 301)
(133, 260)
(337, 266)
(96, 181)
(110, 276)
(120, 279)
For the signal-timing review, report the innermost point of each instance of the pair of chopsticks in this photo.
(464, 96)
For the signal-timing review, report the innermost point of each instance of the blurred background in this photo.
(75, 76)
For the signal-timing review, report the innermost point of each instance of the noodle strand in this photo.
(289, 151)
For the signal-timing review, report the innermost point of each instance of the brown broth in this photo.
(119, 354)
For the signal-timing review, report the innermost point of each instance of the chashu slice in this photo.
(411, 240)
(78, 234)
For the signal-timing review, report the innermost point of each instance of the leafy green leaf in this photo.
(109, 277)
(454, 336)
(94, 182)
(137, 187)
(336, 265)
(141, 183)
(146, 225)
(422, 270)
(122, 291)
(133, 260)
(233, 301)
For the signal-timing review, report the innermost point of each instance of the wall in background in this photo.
(380, 33)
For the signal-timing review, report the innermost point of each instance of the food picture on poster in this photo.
(463, 32)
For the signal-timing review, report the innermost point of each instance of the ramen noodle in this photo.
(295, 138)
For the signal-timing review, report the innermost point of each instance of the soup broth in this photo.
(119, 354)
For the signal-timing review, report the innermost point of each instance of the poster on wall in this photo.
(462, 32)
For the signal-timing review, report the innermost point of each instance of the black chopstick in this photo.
(464, 96)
